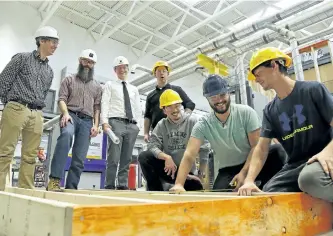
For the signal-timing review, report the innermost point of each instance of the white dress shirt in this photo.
(113, 105)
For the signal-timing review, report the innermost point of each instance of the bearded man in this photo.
(80, 104)
(233, 131)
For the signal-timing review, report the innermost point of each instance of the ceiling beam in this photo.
(101, 20)
(271, 5)
(132, 7)
(180, 24)
(126, 19)
(195, 27)
(43, 6)
(305, 32)
(219, 6)
(149, 30)
(146, 46)
(90, 18)
(197, 18)
(168, 21)
(139, 40)
(50, 13)
(157, 29)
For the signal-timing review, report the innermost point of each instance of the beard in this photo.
(85, 73)
(223, 110)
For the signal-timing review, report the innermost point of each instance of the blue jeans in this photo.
(80, 129)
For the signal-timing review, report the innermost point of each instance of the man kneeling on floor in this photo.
(168, 143)
(233, 132)
(301, 118)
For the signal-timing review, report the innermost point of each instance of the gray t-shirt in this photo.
(172, 139)
(229, 141)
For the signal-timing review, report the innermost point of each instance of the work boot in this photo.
(54, 185)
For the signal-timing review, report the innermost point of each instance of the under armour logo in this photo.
(121, 61)
(285, 119)
(91, 55)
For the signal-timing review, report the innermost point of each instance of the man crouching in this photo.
(167, 146)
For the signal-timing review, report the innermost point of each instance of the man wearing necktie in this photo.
(121, 112)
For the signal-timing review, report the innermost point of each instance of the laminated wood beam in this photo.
(286, 214)
(289, 214)
(31, 216)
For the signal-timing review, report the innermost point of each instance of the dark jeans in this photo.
(274, 163)
(80, 131)
(153, 172)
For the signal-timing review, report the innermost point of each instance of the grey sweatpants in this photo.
(315, 182)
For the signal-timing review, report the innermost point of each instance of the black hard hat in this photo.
(215, 85)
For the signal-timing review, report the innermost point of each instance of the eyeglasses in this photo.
(218, 97)
(54, 41)
(88, 61)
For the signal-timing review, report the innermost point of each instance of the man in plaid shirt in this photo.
(24, 84)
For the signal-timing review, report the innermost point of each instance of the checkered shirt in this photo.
(26, 78)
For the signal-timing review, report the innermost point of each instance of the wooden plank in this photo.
(113, 197)
(286, 214)
(157, 195)
(31, 216)
(123, 192)
(83, 199)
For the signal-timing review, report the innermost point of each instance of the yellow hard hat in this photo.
(169, 97)
(266, 54)
(161, 63)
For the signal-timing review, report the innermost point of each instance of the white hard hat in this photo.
(47, 31)
(89, 54)
(120, 61)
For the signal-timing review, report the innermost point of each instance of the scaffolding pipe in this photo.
(139, 67)
(330, 46)
(242, 79)
(315, 63)
(249, 44)
(244, 32)
(297, 60)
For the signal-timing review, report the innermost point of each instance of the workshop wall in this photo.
(16, 35)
